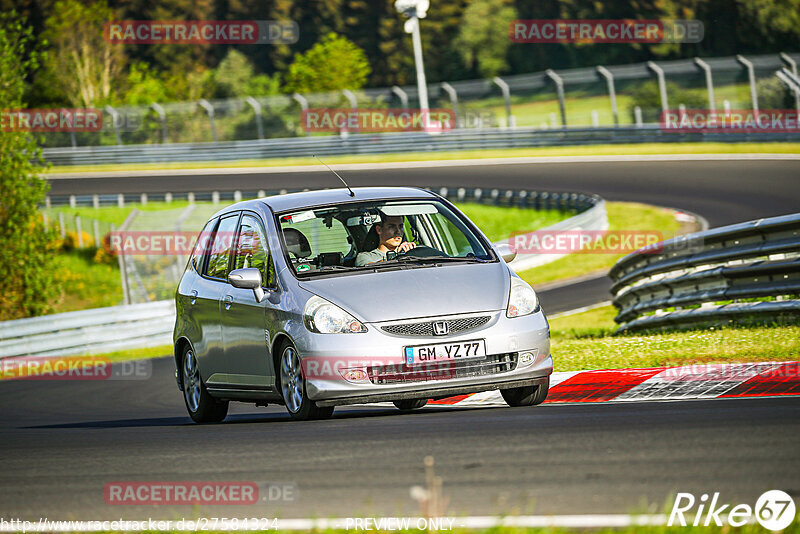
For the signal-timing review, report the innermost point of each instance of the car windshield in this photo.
(375, 235)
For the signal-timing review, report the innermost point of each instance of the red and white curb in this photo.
(707, 381)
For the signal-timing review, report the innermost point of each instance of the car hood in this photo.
(417, 292)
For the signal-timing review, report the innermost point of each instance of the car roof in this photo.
(308, 199)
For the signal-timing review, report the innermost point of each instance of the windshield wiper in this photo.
(439, 259)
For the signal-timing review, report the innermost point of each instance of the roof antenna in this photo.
(337, 175)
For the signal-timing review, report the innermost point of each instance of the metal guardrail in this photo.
(151, 324)
(352, 144)
(93, 331)
(734, 273)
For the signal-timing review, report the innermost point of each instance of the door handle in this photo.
(227, 301)
(193, 298)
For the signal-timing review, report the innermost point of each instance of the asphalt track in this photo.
(61, 441)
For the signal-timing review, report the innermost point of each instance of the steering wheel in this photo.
(421, 251)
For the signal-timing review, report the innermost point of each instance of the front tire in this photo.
(293, 388)
(406, 405)
(202, 407)
(527, 395)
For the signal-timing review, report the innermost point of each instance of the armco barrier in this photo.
(490, 138)
(93, 331)
(740, 272)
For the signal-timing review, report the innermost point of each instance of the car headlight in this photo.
(323, 317)
(522, 300)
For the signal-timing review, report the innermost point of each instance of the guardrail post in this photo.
(120, 200)
(206, 105)
(257, 110)
(501, 83)
(303, 101)
(793, 68)
(751, 75)
(662, 84)
(709, 82)
(595, 119)
(190, 197)
(73, 201)
(451, 92)
(215, 197)
(162, 116)
(168, 198)
(402, 95)
(114, 122)
(612, 93)
(637, 116)
(47, 202)
(143, 199)
(560, 91)
(237, 196)
(95, 201)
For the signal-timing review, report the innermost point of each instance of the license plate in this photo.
(443, 352)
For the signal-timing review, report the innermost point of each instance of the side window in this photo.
(252, 250)
(201, 246)
(219, 254)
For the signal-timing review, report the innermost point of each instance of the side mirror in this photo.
(506, 253)
(249, 278)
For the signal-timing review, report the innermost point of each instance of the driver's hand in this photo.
(405, 247)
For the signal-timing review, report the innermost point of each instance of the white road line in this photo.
(426, 164)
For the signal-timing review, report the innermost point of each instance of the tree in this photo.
(483, 40)
(82, 61)
(333, 63)
(25, 251)
(236, 76)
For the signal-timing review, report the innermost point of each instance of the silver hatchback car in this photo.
(334, 297)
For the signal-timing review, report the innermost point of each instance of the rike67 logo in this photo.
(774, 510)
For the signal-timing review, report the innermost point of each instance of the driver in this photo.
(390, 237)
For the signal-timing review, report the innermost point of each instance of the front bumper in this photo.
(503, 337)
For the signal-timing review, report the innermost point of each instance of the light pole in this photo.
(414, 10)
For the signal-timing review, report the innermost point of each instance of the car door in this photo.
(243, 320)
(209, 289)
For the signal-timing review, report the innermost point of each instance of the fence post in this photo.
(303, 101)
(451, 92)
(114, 122)
(612, 92)
(792, 82)
(206, 105)
(501, 83)
(96, 231)
(257, 109)
(348, 94)
(550, 73)
(709, 82)
(79, 231)
(123, 272)
(751, 75)
(792, 67)
(662, 84)
(402, 95)
(61, 226)
(162, 116)
(637, 116)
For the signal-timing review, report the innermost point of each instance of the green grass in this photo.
(583, 341)
(108, 214)
(566, 151)
(498, 222)
(621, 216)
(86, 284)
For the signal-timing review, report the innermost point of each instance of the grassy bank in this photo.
(565, 151)
(584, 341)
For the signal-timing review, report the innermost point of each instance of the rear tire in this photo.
(406, 405)
(527, 395)
(202, 407)
(293, 387)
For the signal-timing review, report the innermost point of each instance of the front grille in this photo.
(426, 328)
(402, 373)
